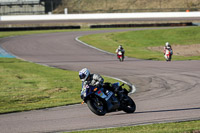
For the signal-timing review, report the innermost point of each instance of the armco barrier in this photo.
(28, 28)
(100, 16)
(141, 25)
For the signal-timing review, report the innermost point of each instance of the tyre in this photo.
(128, 105)
(120, 59)
(97, 106)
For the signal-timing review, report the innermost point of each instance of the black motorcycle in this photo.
(101, 100)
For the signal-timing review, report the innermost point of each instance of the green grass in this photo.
(136, 42)
(28, 86)
(178, 127)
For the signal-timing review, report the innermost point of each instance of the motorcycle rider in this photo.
(120, 49)
(168, 48)
(90, 79)
(95, 80)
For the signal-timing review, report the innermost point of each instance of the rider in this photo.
(94, 80)
(90, 79)
(167, 47)
(120, 48)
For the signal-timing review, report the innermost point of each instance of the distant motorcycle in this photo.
(168, 54)
(101, 101)
(120, 56)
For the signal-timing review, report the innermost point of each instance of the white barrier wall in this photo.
(100, 16)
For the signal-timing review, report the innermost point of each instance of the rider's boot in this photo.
(119, 93)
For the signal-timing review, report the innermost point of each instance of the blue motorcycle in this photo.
(101, 100)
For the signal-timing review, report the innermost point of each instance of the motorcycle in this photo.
(168, 54)
(120, 56)
(101, 101)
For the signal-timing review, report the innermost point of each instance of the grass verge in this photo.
(177, 127)
(18, 33)
(136, 43)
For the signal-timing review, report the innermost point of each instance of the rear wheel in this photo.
(96, 105)
(128, 105)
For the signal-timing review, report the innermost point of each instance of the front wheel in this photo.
(96, 105)
(120, 59)
(128, 105)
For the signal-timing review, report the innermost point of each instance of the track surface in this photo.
(166, 91)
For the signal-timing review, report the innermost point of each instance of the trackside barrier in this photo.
(100, 16)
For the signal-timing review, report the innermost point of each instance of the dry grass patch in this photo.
(181, 50)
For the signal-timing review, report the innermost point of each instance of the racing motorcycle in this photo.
(120, 56)
(168, 54)
(101, 101)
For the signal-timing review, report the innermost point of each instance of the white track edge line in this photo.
(131, 86)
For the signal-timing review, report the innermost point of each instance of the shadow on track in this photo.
(169, 110)
(156, 111)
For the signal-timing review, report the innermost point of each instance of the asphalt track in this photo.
(166, 91)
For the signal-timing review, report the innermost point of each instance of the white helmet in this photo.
(120, 46)
(167, 44)
(83, 74)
